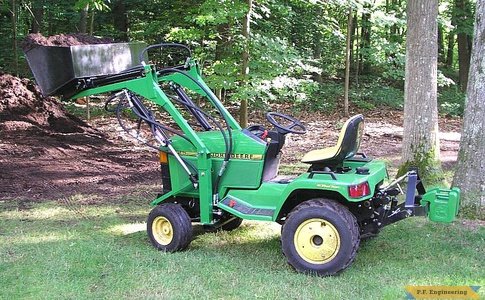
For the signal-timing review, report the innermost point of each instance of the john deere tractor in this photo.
(217, 174)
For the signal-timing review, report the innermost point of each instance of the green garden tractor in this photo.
(218, 174)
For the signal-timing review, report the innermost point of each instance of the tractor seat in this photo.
(347, 145)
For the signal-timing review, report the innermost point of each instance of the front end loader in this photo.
(217, 174)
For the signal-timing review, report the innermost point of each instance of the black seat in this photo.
(347, 145)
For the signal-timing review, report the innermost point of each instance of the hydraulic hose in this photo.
(151, 122)
(229, 145)
(228, 142)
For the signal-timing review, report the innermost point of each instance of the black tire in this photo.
(169, 227)
(321, 237)
(233, 224)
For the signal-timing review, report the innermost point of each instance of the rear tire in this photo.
(320, 236)
(169, 227)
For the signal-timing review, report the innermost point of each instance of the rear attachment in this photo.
(440, 205)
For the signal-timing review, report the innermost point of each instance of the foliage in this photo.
(451, 101)
(96, 4)
(462, 12)
(321, 97)
(296, 46)
(374, 94)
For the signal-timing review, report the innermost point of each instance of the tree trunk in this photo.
(120, 20)
(347, 63)
(463, 60)
(243, 113)
(365, 42)
(357, 50)
(470, 168)
(14, 37)
(317, 47)
(463, 15)
(83, 20)
(420, 141)
(91, 25)
(354, 36)
(38, 16)
(449, 50)
(441, 45)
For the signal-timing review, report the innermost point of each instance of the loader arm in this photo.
(147, 86)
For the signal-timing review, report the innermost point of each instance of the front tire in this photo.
(320, 236)
(169, 227)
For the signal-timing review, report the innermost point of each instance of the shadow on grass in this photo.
(60, 254)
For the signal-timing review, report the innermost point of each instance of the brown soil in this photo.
(48, 154)
(61, 40)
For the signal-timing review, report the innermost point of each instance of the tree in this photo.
(14, 10)
(463, 18)
(37, 16)
(347, 62)
(120, 20)
(83, 19)
(449, 49)
(243, 114)
(365, 41)
(420, 141)
(85, 6)
(470, 169)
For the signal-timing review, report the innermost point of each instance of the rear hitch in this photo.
(440, 205)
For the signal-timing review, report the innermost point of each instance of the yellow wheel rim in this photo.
(162, 230)
(317, 241)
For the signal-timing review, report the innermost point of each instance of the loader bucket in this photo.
(59, 69)
(443, 204)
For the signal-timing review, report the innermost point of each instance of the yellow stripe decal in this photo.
(243, 156)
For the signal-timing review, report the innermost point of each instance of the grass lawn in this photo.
(67, 250)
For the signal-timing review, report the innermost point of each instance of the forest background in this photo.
(297, 48)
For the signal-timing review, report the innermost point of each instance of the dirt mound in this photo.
(22, 105)
(47, 153)
(62, 40)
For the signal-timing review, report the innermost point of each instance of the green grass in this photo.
(57, 251)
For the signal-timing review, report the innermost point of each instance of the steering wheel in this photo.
(300, 129)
